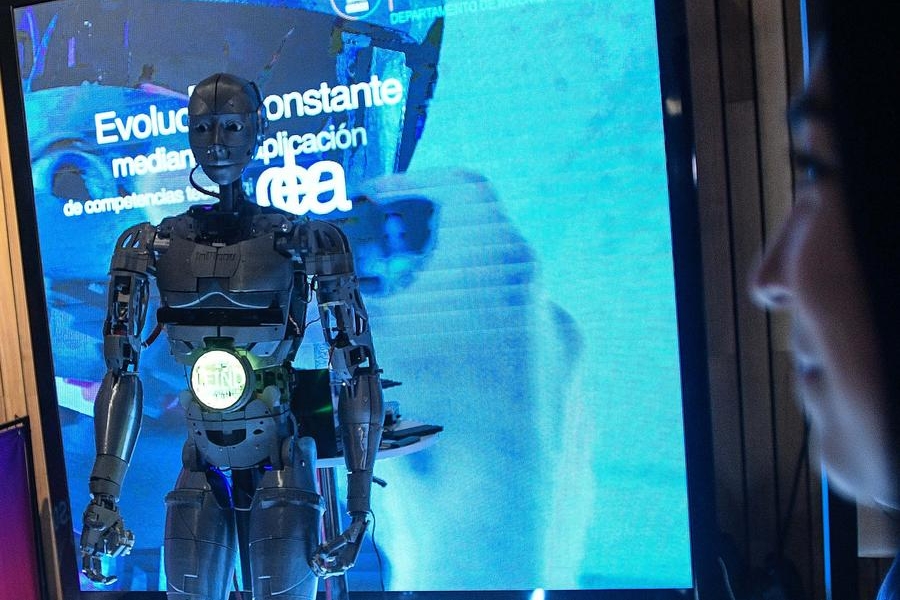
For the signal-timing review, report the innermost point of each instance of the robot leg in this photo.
(200, 547)
(284, 526)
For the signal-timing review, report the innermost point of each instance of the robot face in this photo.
(225, 124)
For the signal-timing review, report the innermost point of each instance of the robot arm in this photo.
(118, 406)
(361, 416)
(360, 408)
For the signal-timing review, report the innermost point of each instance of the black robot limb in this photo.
(361, 417)
(119, 403)
(345, 324)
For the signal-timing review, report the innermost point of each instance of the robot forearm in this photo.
(361, 416)
(117, 422)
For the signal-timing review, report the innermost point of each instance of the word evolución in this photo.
(110, 128)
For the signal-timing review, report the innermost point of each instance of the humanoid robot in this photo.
(234, 282)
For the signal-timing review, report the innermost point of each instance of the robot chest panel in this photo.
(248, 266)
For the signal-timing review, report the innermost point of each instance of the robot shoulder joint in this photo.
(134, 249)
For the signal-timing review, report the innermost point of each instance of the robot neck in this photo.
(230, 196)
(228, 221)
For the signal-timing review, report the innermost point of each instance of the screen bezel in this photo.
(683, 202)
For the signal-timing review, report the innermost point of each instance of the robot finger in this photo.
(92, 568)
(118, 540)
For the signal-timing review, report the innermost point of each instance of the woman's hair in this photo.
(862, 45)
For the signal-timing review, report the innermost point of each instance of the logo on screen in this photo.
(354, 9)
(320, 188)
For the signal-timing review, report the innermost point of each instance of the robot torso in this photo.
(232, 301)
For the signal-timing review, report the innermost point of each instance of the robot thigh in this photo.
(284, 527)
(200, 548)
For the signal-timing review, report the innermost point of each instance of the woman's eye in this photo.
(201, 128)
(808, 173)
(809, 170)
(234, 126)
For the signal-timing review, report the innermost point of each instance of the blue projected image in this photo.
(500, 170)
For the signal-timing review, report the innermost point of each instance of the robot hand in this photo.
(338, 555)
(103, 534)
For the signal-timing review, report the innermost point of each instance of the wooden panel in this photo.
(716, 251)
(752, 338)
(797, 485)
(12, 387)
(737, 49)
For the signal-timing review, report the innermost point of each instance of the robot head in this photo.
(226, 122)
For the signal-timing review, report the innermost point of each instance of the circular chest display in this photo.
(219, 379)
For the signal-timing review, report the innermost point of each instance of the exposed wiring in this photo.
(153, 335)
(377, 555)
(200, 188)
(727, 578)
(308, 323)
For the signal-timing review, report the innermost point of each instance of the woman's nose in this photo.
(768, 284)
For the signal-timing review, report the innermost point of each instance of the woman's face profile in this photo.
(811, 271)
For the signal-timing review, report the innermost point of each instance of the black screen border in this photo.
(684, 215)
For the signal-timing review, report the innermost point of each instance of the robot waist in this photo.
(240, 439)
